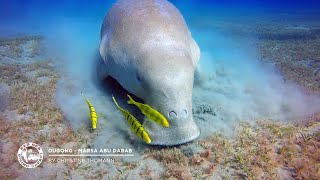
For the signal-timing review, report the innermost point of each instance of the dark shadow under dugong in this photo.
(147, 47)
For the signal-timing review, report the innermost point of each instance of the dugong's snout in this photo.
(168, 89)
(181, 128)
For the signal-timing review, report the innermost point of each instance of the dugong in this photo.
(147, 47)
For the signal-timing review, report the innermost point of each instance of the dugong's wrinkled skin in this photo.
(148, 49)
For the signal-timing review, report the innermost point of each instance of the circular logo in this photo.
(30, 155)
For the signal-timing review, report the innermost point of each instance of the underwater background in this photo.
(255, 98)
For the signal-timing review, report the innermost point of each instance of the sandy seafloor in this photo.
(263, 148)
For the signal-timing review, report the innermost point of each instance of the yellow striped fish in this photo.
(150, 113)
(92, 114)
(134, 123)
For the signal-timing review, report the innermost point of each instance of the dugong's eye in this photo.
(138, 78)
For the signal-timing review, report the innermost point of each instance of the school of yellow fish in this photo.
(151, 114)
(134, 123)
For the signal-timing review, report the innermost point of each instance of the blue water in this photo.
(18, 16)
(230, 77)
